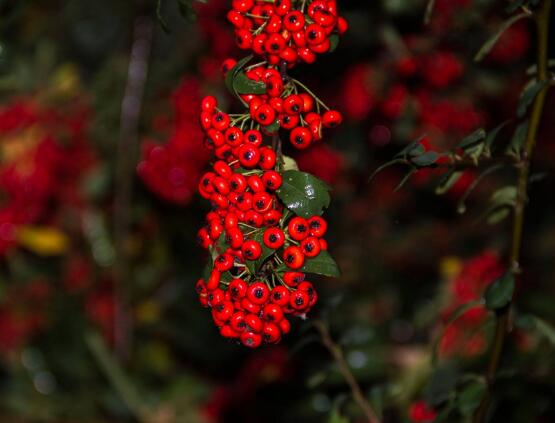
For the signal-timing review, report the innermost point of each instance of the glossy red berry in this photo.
(237, 289)
(251, 339)
(280, 296)
(299, 300)
(258, 293)
(272, 180)
(274, 238)
(298, 228)
(331, 119)
(317, 226)
(271, 333)
(293, 257)
(251, 250)
(223, 262)
(311, 247)
(300, 137)
(272, 313)
(249, 156)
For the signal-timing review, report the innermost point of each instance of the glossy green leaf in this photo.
(500, 292)
(232, 73)
(322, 264)
(490, 43)
(472, 139)
(334, 42)
(448, 181)
(426, 159)
(255, 265)
(470, 397)
(528, 96)
(304, 194)
(242, 84)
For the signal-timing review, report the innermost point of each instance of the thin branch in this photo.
(337, 353)
(126, 157)
(502, 325)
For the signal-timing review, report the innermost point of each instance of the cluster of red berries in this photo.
(259, 248)
(283, 33)
(248, 224)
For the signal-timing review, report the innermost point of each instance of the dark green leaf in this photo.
(470, 397)
(207, 270)
(334, 42)
(441, 384)
(160, 18)
(303, 193)
(232, 73)
(472, 139)
(528, 96)
(322, 264)
(244, 85)
(493, 134)
(518, 138)
(500, 292)
(461, 206)
(448, 180)
(489, 44)
(274, 127)
(426, 159)
(255, 265)
(415, 148)
(529, 323)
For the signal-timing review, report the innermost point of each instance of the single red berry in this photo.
(237, 321)
(227, 331)
(255, 183)
(293, 279)
(262, 202)
(280, 296)
(242, 6)
(300, 137)
(293, 257)
(331, 118)
(233, 136)
(249, 307)
(284, 326)
(223, 262)
(215, 297)
(294, 21)
(271, 333)
(238, 183)
(273, 238)
(258, 293)
(254, 323)
(272, 217)
(209, 103)
(220, 121)
(223, 311)
(227, 65)
(251, 339)
(299, 300)
(311, 246)
(223, 169)
(267, 158)
(265, 115)
(251, 250)
(288, 121)
(317, 226)
(298, 228)
(237, 288)
(293, 104)
(272, 313)
(235, 239)
(243, 39)
(249, 156)
(272, 180)
(274, 43)
(253, 137)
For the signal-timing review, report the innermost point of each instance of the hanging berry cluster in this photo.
(265, 230)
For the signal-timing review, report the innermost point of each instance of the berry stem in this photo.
(304, 87)
(337, 353)
(503, 316)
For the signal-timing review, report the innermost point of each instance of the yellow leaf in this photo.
(43, 240)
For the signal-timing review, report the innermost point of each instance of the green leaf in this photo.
(489, 44)
(334, 42)
(528, 96)
(441, 384)
(207, 270)
(273, 128)
(493, 135)
(242, 84)
(322, 264)
(472, 139)
(426, 159)
(255, 265)
(160, 18)
(470, 397)
(505, 196)
(304, 194)
(461, 206)
(234, 71)
(497, 215)
(517, 141)
(448, 181)
(500, 292)
(415, 148)
(289, 163)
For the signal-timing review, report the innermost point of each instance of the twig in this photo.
(126, 158)
(337, 353)
(502, 326)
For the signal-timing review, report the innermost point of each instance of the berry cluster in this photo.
(280, 32)
(260, 249)
(248, 224)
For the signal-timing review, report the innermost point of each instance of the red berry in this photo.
(298, 228)
(251, 250)
(300, 137)
(299, 300)
(317, 226)
(331, 119)
(310, 246)
(237, 288)
(280, 296)
(274, 238)
(271, 333)
(251, 339)
(293, 257)
(258, 293)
